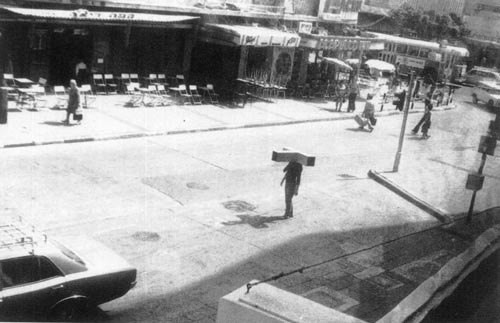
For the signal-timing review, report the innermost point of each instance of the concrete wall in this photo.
(268, 304)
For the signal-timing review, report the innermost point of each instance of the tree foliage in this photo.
(427, 25)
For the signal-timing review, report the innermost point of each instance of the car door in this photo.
(30, 286)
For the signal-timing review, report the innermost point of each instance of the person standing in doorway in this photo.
(292, 176)
(73, 100)
(353, 93)
(81, 72)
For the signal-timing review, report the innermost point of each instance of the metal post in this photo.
(473, 199)
(403, 126)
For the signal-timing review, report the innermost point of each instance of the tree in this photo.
(428, 25)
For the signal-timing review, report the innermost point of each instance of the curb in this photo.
(436, 288)
(384, 181)
(188, 131)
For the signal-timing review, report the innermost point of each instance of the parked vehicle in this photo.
(487, 92)
(478, 74)
(57, 280)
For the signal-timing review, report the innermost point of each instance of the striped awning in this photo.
(249, 36)
(98, 16)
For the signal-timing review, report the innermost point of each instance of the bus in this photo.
(435, 61)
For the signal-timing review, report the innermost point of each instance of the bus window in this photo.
(401, 49)
(413, 51)
(423, 53)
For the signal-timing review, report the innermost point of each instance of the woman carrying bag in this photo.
(74, 106)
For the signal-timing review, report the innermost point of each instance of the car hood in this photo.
(96, 255)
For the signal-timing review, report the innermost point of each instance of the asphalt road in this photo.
(167, 204)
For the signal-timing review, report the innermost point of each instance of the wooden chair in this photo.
(124, 81)
(162, 80)
(99, 84)
(88, 95)
(111, 86)
(195, 95)
(135, 97)
(214, 97)
(61, 97)
(183, 93)
(134, 80)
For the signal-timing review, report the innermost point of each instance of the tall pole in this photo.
(403, 126)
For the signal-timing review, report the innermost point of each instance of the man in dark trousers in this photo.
(428, 106)
(292, 181)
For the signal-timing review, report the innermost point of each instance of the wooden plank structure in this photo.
(291, 155)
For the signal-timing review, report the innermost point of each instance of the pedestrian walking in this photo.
(353, 93)
(427, 106)
(340, 91)
(368, 115)
(73, 102)
(400, 103)
(293, 172)
(427, 122)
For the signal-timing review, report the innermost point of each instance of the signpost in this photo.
(403, 126)
(487, 146)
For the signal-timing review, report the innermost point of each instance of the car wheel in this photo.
(474, 98)
(68, 311)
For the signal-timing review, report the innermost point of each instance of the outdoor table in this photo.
(24, 83)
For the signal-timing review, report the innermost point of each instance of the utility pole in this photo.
(403, 126)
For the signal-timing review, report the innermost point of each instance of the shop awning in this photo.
(83, 15)
(248, 36)
(380, 65)
(337, 62)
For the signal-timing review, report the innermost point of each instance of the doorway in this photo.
(68, 47)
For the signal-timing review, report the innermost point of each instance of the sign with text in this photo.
(305, 27)
(410, 61)
(335, 43)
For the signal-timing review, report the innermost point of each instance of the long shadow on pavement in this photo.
(364, 273)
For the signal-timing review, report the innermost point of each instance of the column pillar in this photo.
(243, 62)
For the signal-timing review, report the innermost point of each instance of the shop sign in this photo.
(305, 27)
(268, 40)
(343, 44)
(410, 61)
(85, 14)
(341, 17)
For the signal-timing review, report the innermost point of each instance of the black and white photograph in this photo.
(250, 161)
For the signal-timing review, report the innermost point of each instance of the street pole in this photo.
(403, 126)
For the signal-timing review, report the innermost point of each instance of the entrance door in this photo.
(68, 48)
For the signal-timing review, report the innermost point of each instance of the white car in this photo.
(481, 74)
(487, 92)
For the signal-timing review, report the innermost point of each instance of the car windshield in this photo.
(68, 253)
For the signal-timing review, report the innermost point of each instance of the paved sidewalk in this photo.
(108, 118)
